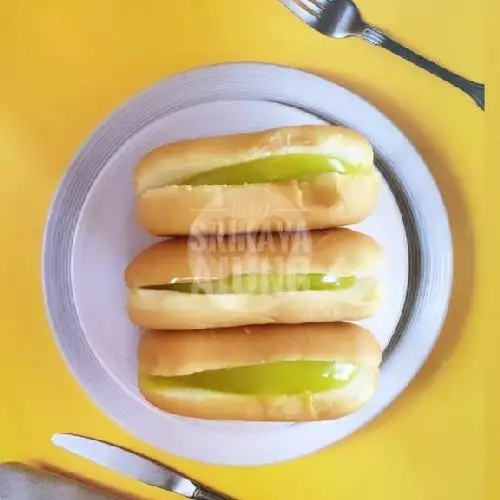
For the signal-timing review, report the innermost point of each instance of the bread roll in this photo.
(173, 198)
(168, 360)
(317, 276)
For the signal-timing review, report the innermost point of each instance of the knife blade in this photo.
(135, 466)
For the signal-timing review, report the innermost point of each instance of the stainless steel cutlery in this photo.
(342, 18)
(136, 466)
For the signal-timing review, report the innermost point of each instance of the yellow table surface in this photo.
(65, 65)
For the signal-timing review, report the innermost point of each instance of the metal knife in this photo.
(136, 466)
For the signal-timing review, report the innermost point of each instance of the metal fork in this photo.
(342, 18)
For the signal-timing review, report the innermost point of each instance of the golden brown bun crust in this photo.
(174, 353)
(340, 251)
(170, 163)
(296, 408)
(167, 209)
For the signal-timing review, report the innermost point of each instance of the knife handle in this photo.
(202, 494)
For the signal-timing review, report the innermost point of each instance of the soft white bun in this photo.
(164, 309)
(340, 252)
(180, 353)
(167, 207)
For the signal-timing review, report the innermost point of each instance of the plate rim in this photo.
(100, 129)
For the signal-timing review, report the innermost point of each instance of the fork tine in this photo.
(320, 4)
(313, 10)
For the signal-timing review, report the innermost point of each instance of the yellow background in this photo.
(65, 65)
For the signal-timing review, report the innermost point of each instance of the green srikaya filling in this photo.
(272, 169)
(284, 377)
(259, 284)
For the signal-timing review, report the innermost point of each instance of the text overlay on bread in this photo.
(295, 373)
(288, 178)
(215, 281)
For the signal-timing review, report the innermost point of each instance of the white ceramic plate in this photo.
(91, 235)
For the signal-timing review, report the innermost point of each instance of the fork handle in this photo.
(473, 89)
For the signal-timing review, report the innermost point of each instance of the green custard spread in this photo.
(259, 284)
(277, 168)
(284, 377)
